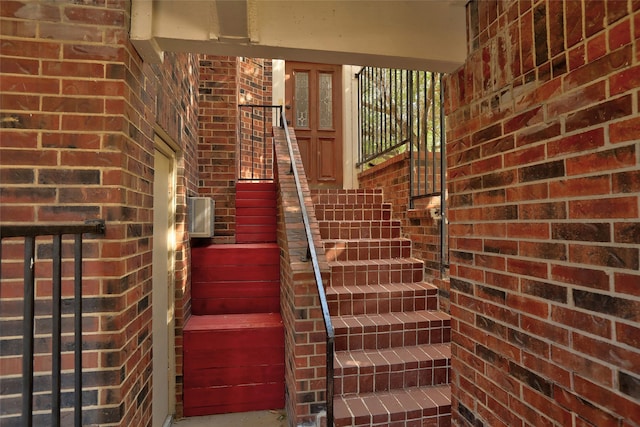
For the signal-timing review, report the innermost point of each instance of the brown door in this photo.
(314, 109)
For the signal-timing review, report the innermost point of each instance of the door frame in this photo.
(313, 131)
(164, 315)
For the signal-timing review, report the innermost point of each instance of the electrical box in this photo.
(201, 216)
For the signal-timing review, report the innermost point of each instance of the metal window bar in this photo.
(313, 257)
(403, 110)
(30, 232)
(255, 159)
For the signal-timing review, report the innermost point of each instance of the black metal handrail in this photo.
(312, 255)
(30, 232)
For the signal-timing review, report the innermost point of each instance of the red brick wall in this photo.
(78, 114)
(305, 333)
(543, 154)
(226, 82)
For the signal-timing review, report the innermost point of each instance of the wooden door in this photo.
(314, 108)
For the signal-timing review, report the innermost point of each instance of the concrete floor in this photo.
(244, 419)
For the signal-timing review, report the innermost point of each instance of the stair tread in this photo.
(413, 402)
(404, 260)
(211, 322)
(364, 320)
(358, 359)
(381, 288)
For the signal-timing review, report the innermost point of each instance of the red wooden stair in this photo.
(392, 362)
(234, 339)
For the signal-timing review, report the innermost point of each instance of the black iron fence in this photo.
(402, 111)
(26, 236)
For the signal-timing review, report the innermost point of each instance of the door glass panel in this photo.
(302, 99)
(326, 101)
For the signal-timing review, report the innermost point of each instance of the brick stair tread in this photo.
(355, 196)
(411, 357)
(385, 288)
(356, 249)
(388, 319)
(369, 262)
(393, 406)
(369, 272)
(381, 298)
(359, 212)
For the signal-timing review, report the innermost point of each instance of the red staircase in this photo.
(234, 339)
(392, 362)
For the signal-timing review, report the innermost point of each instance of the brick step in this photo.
(386, 330)
(367, 371)
(363, 249)
(351, 230)
(418, 406)
(235, 297)
(346, 197)
(233, 363)
(377, 271)
(362, 212)
(376, 299)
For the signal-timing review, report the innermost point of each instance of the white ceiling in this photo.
(419, 34)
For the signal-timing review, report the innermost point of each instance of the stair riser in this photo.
(396, 420)
(359, 197)
(353, 305)
(364, 250)
(255, 203)
(353, 213)
(255, 186)
(230, 273)
(222, 400)
(376, 274)
(359, 229)
(384, 378)
(385, 338)
(234, 376)
(255, 211)
(262, 304)
(234, 255)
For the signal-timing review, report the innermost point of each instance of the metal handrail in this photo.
(312, 255)
(30, 232)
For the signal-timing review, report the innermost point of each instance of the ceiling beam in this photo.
(418, 34)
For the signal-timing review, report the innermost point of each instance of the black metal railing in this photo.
(402, 111)
(30, 233)
(313, 257)
(255, 141)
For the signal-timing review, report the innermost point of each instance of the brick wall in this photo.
(77, 140)
(305, 333)
(543, 154)
(226, 82)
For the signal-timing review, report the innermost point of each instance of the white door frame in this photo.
(163, 289)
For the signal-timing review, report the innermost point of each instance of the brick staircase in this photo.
(392, 362)
(234, 339)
